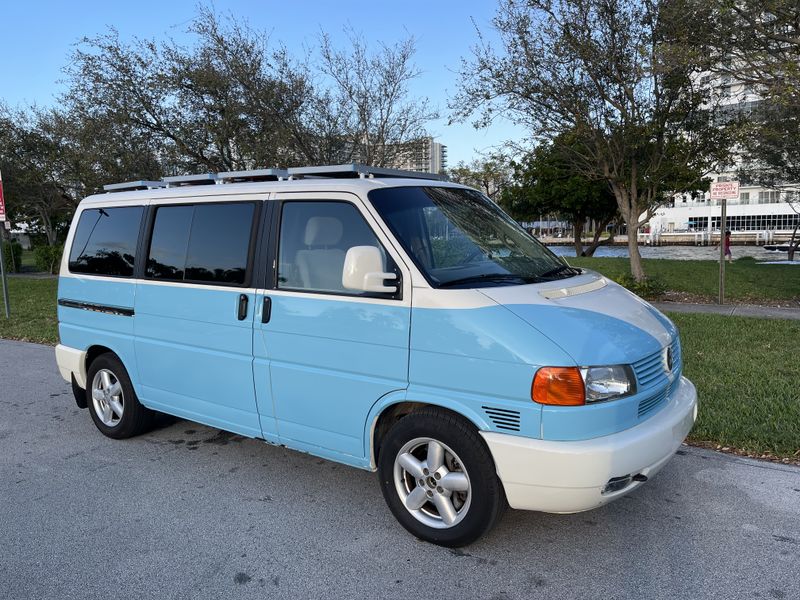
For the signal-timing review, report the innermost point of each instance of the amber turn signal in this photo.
(559, 386)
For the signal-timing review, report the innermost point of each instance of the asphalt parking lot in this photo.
(189, 511)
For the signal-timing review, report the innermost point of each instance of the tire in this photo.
(113, 404)
(449, 514)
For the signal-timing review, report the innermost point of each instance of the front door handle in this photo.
(266, 309)
(242, 314)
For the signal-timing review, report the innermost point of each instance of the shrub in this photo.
(47, 258)
(650, 288)
(12, 256)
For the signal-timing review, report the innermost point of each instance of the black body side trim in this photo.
(103, 308)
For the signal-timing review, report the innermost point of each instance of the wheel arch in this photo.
(392, 407)
(92, 352)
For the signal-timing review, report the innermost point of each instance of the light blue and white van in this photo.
(385, 320)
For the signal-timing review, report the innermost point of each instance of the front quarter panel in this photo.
(478, 355)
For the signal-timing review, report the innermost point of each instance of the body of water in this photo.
(682, 252)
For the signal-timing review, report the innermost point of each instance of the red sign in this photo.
(725, 190)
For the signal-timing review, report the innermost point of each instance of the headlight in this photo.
(573, 386)
(605, 383)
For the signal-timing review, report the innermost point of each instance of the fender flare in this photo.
(421, 397)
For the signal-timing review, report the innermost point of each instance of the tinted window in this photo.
(105, 241)
(205, 242)
(315, 237)
(218, 243)
(170, 240)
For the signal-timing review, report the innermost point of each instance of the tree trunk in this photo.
(793, 243)
(629, 209)
(578, 229)
(636, 259)
(596, 241)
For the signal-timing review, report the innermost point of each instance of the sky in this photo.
(36, 38)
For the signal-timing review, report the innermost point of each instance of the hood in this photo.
(591, 318)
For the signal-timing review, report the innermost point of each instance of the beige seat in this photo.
(319, 265)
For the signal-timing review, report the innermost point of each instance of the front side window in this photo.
(207, 243)
(314, 240)
(105, 241)
(459, 238)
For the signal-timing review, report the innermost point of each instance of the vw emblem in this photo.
(669, 359)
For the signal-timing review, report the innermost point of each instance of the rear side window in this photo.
(207, 243)
(105, 241)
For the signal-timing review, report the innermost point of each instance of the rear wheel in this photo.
(113, 404)
(438, 477)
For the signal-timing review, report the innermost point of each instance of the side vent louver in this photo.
(503, 418)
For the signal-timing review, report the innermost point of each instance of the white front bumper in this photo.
(72, 362)
(566, 477)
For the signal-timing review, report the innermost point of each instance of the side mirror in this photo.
(363, 271)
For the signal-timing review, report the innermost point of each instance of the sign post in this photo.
(722, 191)
(2, 261)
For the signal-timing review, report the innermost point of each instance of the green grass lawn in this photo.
(746, 373)
(745, 279)
(745, 370)
(33, 310)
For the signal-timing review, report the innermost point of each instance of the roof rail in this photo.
(359, 170)
(329, 171)
(179, 180)
(134, 185)
(253, 175)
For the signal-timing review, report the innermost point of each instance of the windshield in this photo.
(459, 238)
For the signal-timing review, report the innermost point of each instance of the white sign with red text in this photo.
(725, 190)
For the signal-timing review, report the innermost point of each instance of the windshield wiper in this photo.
(560, 269)
(488, 277)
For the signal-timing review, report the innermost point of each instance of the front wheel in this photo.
(438, 477)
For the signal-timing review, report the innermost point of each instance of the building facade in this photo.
(425, 155)
(756, 209)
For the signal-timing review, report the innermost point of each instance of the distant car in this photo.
(472, 369)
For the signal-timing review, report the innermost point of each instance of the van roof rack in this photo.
(134, 185)
(330, 171)
(179, 180)
(359, 170)
(253, 175)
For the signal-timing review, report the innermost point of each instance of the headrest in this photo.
(323, 231)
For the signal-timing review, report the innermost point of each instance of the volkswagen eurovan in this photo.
(382, 319)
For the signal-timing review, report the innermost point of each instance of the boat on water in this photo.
(777, 247)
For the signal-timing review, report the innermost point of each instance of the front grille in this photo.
(503, 418)
(649, 404)
(677, 359)
(650, 371)
(652, 376)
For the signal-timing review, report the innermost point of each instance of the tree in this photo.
(618, 74)
(28, 160)
(380, 122)
(546, 183)
(231, 102)
(762, 52)
(758, 45)
(217, 106)
(490, 174)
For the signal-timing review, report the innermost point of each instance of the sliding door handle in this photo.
(242, 314)
(266, 309)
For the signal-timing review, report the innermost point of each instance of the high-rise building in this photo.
(424, 155)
